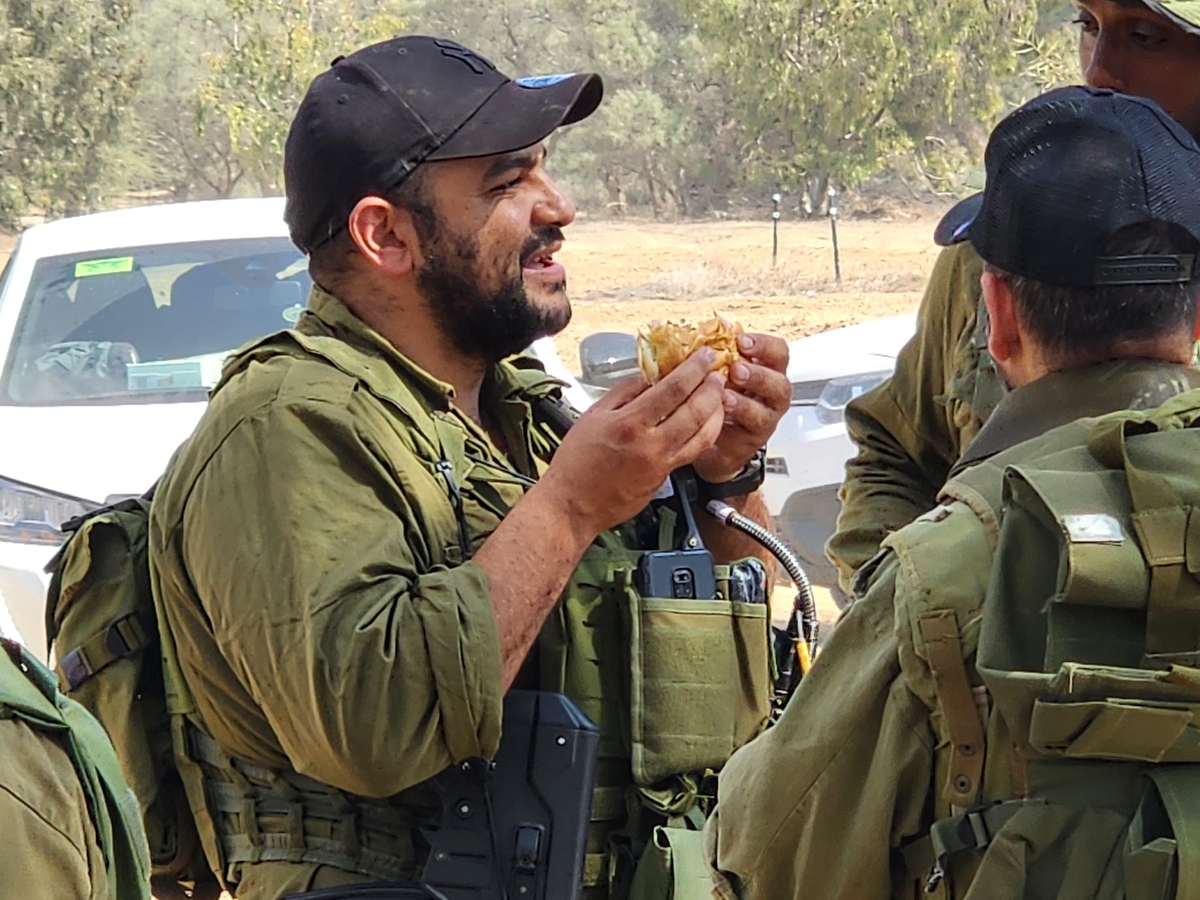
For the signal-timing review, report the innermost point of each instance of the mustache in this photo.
(540, 239)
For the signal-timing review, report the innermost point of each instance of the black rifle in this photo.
(512, 828)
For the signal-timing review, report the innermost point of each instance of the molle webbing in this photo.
(264, 815)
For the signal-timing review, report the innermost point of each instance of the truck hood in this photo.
(93, 452)
(852, 350)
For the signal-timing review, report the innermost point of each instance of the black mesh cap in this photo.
(1069, 170)
(376, 115)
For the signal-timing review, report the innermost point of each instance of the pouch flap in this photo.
(1115, 729)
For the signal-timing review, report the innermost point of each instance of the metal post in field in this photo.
(775, 200)
(833, 217)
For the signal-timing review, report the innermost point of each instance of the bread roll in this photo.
(663, 347)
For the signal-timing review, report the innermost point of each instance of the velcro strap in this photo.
(123, 637)
(1134, 730)
(943, 650)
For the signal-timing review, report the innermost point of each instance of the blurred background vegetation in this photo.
(712, 105)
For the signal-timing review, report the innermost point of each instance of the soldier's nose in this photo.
(1104, 69)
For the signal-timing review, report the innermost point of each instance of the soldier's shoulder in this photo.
(945, 563)
(957, 271)
(273, 394)
(945, 560)
(269, 374)
(938, 543)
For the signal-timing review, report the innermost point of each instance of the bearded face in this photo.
(494, 300)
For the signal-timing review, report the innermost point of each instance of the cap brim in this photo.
(522, 113)
(955, 226)
(1184, 13)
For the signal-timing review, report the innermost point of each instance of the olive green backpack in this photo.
(100, 621)
(1079, 773)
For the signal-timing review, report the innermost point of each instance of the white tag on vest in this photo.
(1093, 528)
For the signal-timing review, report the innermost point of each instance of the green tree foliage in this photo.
(67, 74)
(711, 104)
(652, 142)
(831, 89)
(270, 51)
(1049, 50)
(165, 151)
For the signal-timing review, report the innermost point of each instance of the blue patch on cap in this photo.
(955, 228)
(542, 81)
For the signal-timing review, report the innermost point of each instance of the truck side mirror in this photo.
(607, 357)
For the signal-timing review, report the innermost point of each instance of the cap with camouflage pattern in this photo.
(1184, 13)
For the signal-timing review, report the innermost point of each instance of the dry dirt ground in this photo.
(621, 275)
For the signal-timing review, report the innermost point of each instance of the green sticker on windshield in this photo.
(110, 266)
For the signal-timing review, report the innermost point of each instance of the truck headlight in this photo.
(33, 515)
(831, 405)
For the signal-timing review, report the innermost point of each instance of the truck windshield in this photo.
(148, 324)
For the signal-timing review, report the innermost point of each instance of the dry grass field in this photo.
(621, 275)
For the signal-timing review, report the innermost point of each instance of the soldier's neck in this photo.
(405, 323)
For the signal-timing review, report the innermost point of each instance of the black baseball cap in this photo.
(1069, 170)
(369, 120)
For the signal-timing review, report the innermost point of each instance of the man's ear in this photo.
(1004, 334)
(385, 236)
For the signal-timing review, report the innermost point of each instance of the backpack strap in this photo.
(944, 654)
(123, 637)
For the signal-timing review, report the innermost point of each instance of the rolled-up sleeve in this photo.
(374, 666)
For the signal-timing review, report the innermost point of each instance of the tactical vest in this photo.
(28, 692)
(1068, 754)
(675, 687)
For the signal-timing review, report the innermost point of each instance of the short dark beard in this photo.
(484, 324)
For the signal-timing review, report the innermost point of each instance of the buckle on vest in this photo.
(121, 638)
(125, 635)
(75, 669)
(969, 832)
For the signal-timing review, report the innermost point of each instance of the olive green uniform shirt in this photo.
(820, 804)
(307, 562)
(911, 429)
(50, 847)
(53, 848)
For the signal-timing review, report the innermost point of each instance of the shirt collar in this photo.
(326, 314)
(1077, 393)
